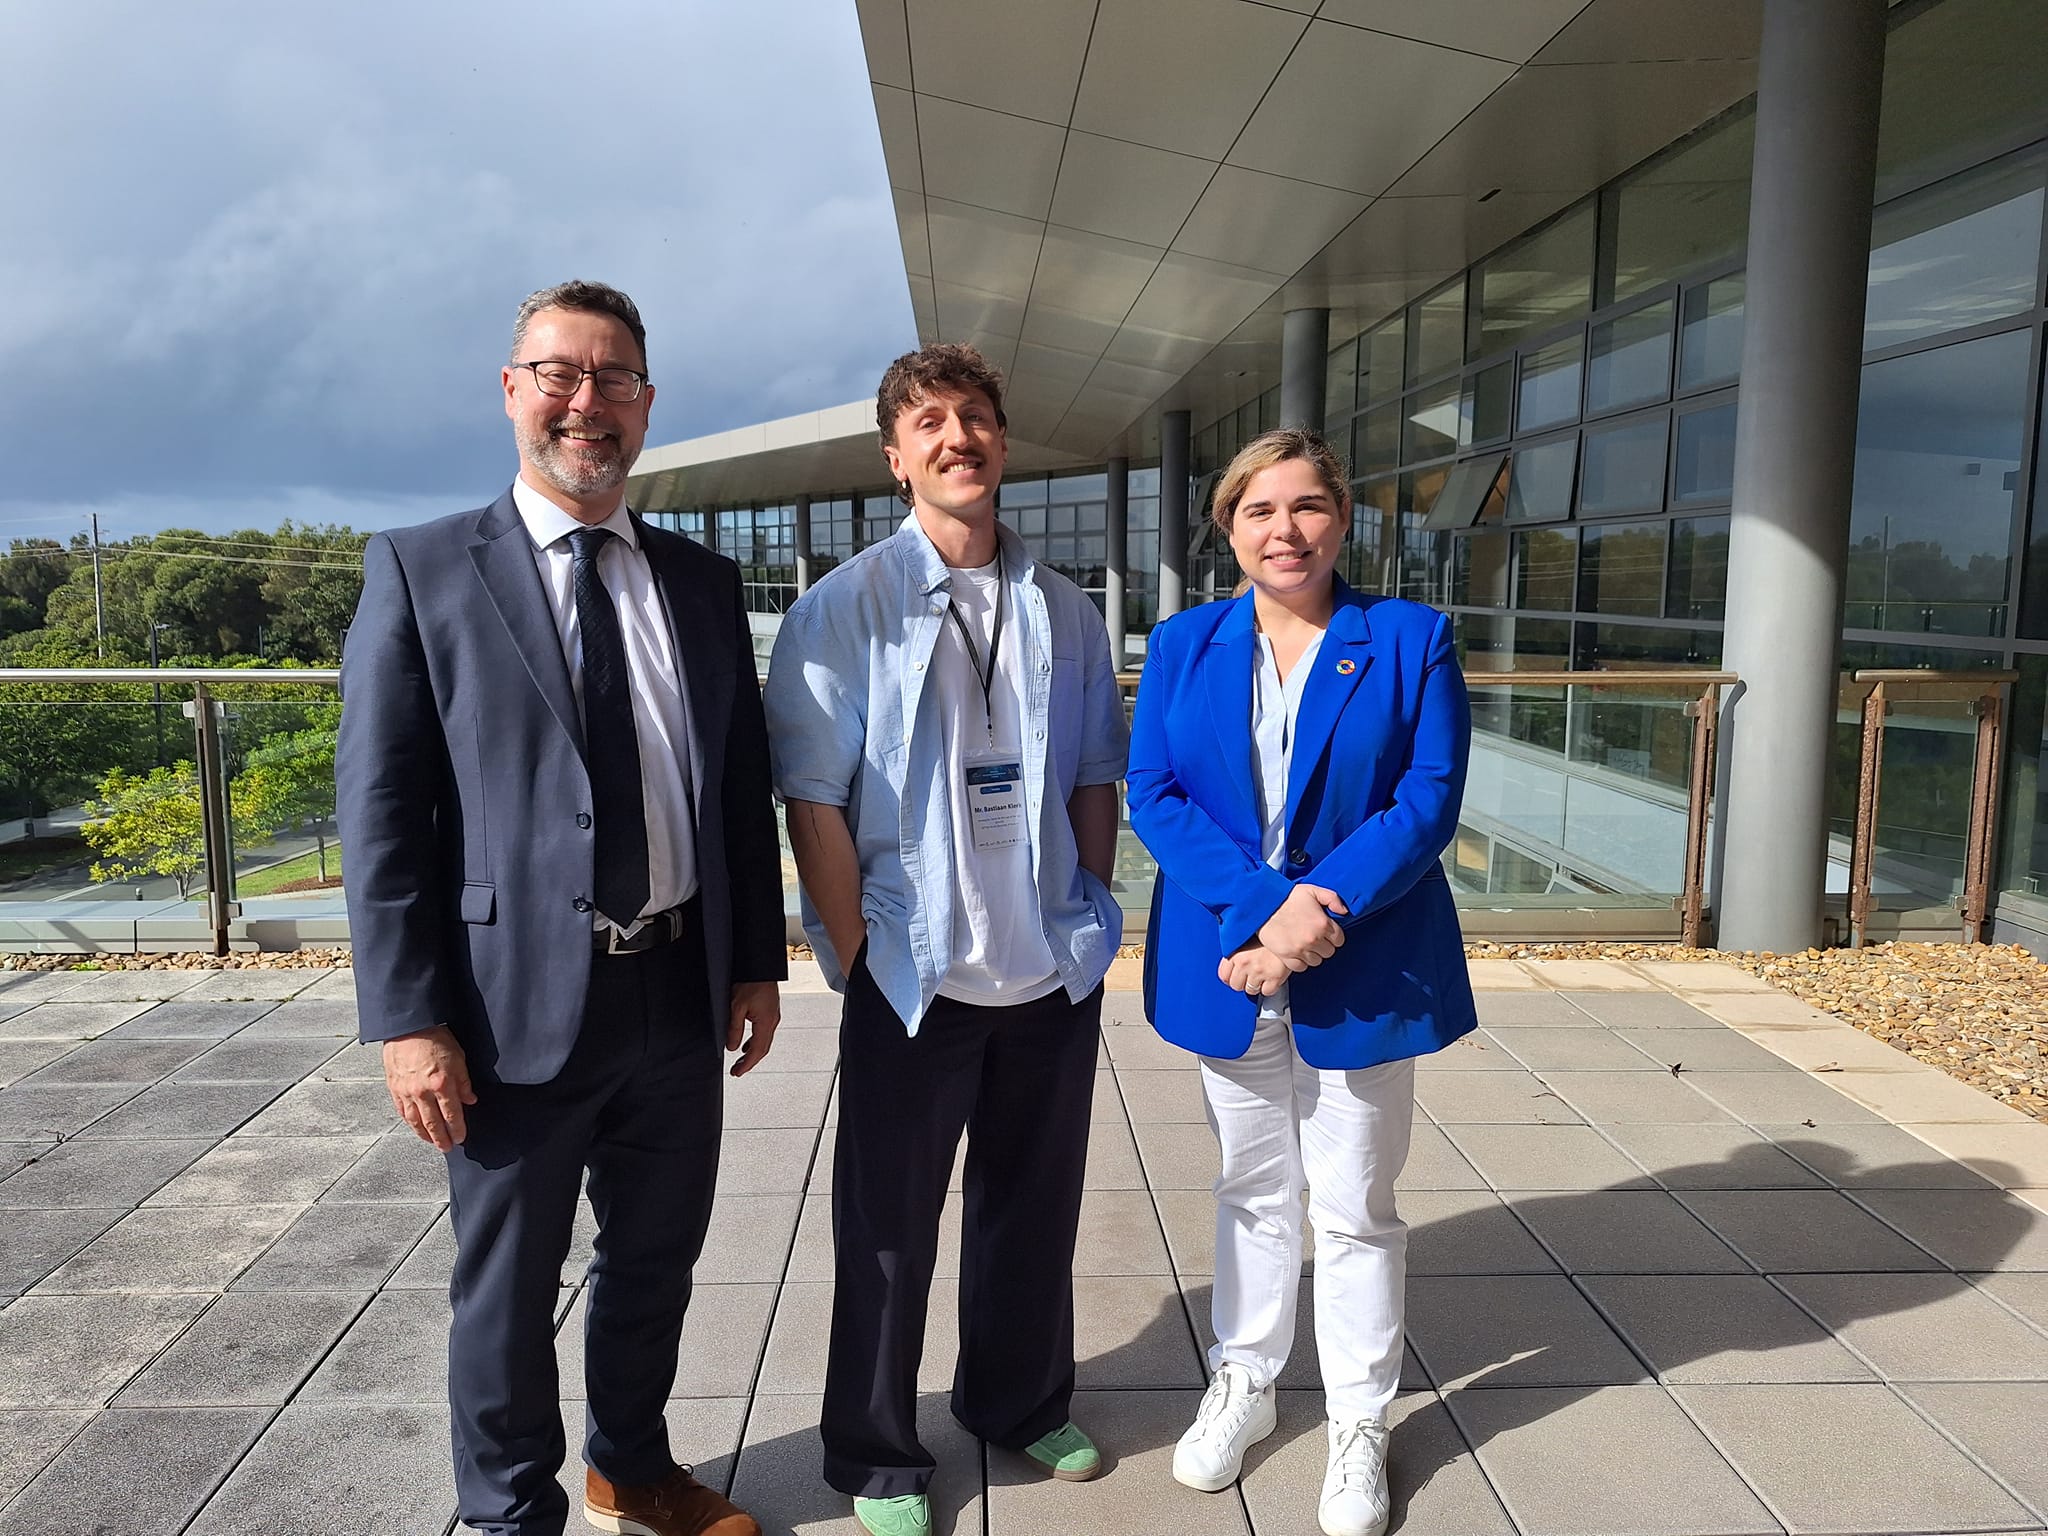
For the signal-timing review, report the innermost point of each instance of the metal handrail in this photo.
(1984, 692)
(170, 674)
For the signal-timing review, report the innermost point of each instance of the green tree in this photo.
(151, 824)
(311, 591)
(29, 572)
(289, 782)
(59, 739)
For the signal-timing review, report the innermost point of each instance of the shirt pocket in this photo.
(1065, 721)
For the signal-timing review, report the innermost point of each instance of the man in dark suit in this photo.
(564, 894)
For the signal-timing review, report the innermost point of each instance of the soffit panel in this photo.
(1513, 32)
(1087, 274)
(924, 309)
(1189, 296)
(1156, 349)
(1129, 191)
(971, 155)
(885, 35)
(1182, 75)
(1432, 236)
(1268, 223)
(1650, 31)
(1128, 380)
(1054, 368)
(911, 229)
(896, 116)
(1599, 119)
(983, 248)
(1036, 50)
(1418, 94)
(966, 312)
(1047, 325)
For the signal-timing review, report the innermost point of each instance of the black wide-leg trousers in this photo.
(638, 1105)
(1019, 1081)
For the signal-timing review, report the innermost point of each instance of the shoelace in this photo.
(1356, 1456)
(1224, 1409)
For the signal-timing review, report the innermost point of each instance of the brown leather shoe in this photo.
(678, 1505)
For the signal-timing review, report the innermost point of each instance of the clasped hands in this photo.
(1304, 932)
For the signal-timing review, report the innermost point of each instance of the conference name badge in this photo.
(995, 800)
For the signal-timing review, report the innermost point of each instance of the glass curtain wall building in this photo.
(1544, 444)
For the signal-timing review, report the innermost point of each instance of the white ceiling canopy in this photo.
(1115, 199)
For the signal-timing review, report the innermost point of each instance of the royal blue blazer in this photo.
(1376, 778)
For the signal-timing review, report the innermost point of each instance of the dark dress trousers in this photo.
(465, 804)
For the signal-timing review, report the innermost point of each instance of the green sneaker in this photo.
(1067, 1454)
(907, 1514)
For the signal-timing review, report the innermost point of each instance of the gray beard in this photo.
(571, 473)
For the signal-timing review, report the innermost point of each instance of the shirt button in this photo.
(1039, 734)
(583, 819)
(581, 904)
(1298, 856)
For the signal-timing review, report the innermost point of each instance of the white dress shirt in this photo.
(661, 712)
(1274, 707)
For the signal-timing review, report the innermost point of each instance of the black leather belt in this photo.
(659, 929)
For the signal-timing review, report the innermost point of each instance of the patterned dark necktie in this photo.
(612, 745)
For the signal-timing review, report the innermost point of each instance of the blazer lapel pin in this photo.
(1346, 667)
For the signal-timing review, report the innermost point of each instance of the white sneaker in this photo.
(1354, 1501)
(1235, 1415)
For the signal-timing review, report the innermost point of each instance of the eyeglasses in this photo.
(618, 385)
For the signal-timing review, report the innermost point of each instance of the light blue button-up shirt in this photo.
(852, 722)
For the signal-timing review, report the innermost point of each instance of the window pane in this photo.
(1629, 360)
(2026, 833)
(1632, 645)
(1379, 439)
(1080, 487)
(1961, 81)
(1485, 405)
(1383, 359)
(1023, 493)
(1550, 386)
(1466, 492)
(1624, 467)
(1479, 571)
(1430, 428)
(1710, 338)
(1622, 569)
(1699, 568)
(1706, 456)
(1537, 282)
(1686, 210)
(1540, 481)
(1956, 255)
(1438, 339)
(1144, 482)
(1938, 441)
(1340, 383)
(1546, 567)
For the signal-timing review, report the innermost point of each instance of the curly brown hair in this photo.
(913, 377)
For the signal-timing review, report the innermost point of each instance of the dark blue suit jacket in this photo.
(464, 804)
(1377, 774)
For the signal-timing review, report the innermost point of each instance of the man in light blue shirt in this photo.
(947, 737)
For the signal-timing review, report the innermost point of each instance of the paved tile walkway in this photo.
(1676, 1267)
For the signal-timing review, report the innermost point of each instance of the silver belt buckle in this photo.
(615, 941)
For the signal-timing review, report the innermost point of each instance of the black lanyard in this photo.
(985, 675)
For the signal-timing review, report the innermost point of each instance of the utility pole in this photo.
(99, 596)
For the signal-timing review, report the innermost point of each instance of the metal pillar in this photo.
(1118, 557)
(802, 541)
(216, 837)
(1818, 77)
(1304, 368)
(1175, 442)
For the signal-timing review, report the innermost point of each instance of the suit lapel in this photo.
(1227, 675)
(695, 647)
(1340, 662)
(504, 563)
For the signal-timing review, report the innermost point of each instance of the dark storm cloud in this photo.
(266, 254)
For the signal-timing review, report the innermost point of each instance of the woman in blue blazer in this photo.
(1297, 760)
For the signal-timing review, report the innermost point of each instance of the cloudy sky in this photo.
(262, 259)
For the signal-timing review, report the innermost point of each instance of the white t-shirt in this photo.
(999, 950)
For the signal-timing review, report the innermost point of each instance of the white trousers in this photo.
(1282, 1122)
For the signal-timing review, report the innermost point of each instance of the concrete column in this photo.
(801, 539)
(1304, 368)
(1119, 557)
(1819, 71)
(1175, 443)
